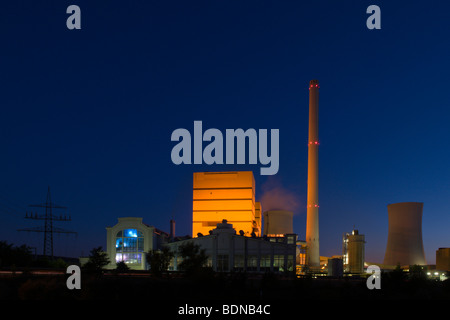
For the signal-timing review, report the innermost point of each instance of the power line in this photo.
(10, 207)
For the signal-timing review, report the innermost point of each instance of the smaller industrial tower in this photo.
(278, 223)
(353, 252)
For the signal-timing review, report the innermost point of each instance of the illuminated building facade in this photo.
(301, 256)
(129, 240)
(229, 251)
(443, 259)
(225, 195)
(353, 252)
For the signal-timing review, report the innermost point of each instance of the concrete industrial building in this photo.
(335, 267)
(404, 244)
(215, 195)
(130, 239)
(312, 214)
(229, 251)
(225, 195)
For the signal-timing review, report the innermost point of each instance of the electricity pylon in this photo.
(48, 229)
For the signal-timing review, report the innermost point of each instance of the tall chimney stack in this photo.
(172, 229)
(312, 215)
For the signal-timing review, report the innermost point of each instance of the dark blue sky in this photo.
(90, 112)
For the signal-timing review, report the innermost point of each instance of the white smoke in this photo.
(276, 197)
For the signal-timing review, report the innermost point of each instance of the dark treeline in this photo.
(197, 282)
(21, 258)
(209, 285)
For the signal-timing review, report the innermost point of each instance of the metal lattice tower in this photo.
(48, 229)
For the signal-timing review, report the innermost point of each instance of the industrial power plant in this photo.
(248, 244)
(230, 223)
(237, 233)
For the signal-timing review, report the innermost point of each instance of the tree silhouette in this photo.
(14, 256)
(97, 260)
(159, 260)
(194, 258)
(121, 267)
(417, 272)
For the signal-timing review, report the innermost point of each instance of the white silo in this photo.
(278, 222)
(355, 251)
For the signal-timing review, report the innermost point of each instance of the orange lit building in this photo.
(225, 195)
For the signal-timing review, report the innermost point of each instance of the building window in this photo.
(209, 262)
(171, 266)
(264, 265)
(290, 263)
(239, 262)
(290, 239)
(252, 263)
(174, 264)
(278, 262)
(129, 258)
(129, 246)
(222, 262)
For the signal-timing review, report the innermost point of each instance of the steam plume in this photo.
(276, 197)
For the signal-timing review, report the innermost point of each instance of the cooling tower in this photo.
(404, 245)
(278, 222)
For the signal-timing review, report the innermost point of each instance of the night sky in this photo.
(90, 112)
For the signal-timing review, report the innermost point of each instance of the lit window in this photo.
(278, 262)
(239, 262)
(290, 239)
(131, 233)
(129, 258)
(252, 263)
(265, 262)
(129, 245)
